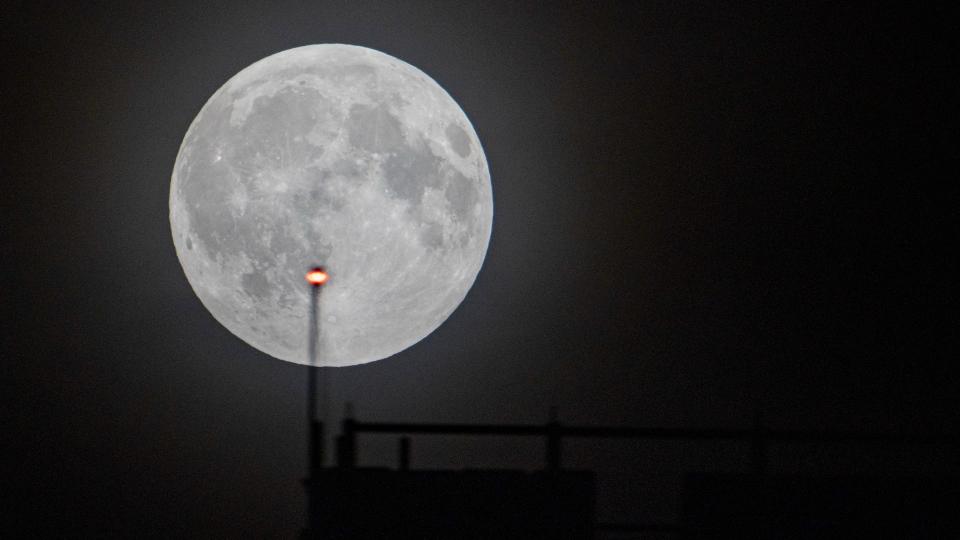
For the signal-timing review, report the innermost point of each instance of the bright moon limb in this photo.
(339, 155)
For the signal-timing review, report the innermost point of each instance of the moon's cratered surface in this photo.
(335, 155)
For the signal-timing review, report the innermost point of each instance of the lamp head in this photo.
(317, 276)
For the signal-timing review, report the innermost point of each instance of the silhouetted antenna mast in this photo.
(316, 277)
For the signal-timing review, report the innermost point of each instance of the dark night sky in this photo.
(700, 213)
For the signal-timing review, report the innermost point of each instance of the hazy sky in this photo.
(699, 214)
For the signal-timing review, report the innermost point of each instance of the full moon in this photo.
(341, 156)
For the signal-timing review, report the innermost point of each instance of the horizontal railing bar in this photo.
(638, 527)
(463, 429)
(561, 430)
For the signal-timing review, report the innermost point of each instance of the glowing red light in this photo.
(317, 276)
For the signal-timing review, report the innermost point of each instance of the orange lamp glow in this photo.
(317, 276)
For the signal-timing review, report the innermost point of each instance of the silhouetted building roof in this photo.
(388, 504)
(817, 507)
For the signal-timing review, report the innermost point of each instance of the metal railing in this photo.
(554, 432)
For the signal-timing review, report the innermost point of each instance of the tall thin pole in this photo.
(316, 277)
(312, 369)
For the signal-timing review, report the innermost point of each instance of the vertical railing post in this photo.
(316, 444)
(758, 449)
(404, 461)
(554, 444)
(347, 442)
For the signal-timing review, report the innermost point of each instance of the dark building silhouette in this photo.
(809, 507)
(350, 502)
(365, 503)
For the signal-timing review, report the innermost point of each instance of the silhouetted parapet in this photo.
(816, 507)
(364, 503)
